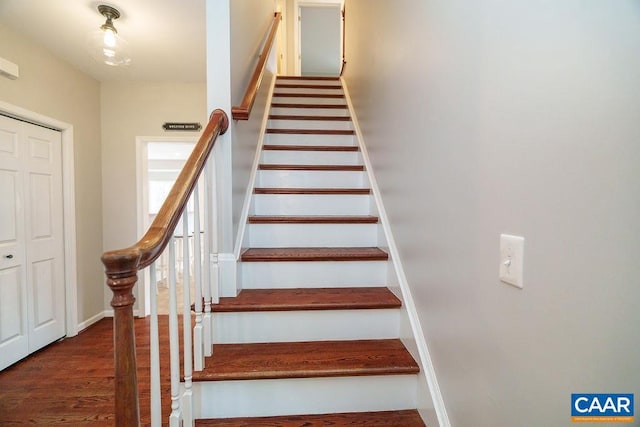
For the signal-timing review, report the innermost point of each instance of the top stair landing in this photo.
(324, 80)
(288, 104)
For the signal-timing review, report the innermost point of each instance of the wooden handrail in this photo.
(242, 111)
(122, 266)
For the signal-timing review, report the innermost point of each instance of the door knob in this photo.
(9, 256)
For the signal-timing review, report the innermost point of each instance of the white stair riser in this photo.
(310, 124)
(311, 204)
(311, 157)
(302, 139)
(309, 274)
(310, 111)
(310, 325)
(312, 235)
(311, 179)
(307, 100)
(317, 89)
(254, 398)
(311, 81)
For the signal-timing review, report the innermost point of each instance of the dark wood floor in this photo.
(71, 382)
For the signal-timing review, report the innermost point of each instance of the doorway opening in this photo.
(319, 39)
(160, 160)
(69, 213)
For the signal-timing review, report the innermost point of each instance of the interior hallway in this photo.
(71, 381)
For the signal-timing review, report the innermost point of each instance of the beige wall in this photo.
(129, 110)
(53, 88)
(512, 117)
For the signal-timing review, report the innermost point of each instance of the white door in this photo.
(320, 40)
(32, 289)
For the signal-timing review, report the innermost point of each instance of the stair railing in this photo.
(122, 267)
(242, 111)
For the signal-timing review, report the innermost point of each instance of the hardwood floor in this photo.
(71, 382)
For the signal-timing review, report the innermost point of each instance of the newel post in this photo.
(122, 273)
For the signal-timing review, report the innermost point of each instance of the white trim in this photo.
(423, 351)
(228, 281)
(109, 313)
(242, 226)
(297, 48)
(69, 207)
(142, 172)
(90, 321)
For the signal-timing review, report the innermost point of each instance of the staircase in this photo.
(313, 337)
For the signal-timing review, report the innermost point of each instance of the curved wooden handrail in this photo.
(122, 266)
(242, 111)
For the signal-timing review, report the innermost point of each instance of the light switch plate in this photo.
(511, 259)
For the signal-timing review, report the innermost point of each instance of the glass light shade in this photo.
(108, 47)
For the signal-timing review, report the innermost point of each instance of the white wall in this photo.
(131, 109)
(521, 117)
(292, 56)
(235, 34)
(250, 22)
(53, 88)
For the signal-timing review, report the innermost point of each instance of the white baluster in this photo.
(187, 398)
(198, 356)
(207, 321)
(174, 340)
(215, 278)
(154, 349)
(215, 285)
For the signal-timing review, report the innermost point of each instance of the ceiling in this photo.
(166, 37)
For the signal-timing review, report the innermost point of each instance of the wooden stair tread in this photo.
(403, 418)
(306, 86)
(313, 219)
(281, 167)
(316, 118)
(308, 359)
(308, 95)
(307, 78)
(287, 147)
(314, 254)
(311, 131)
(317, 106)
(308, 299)
(309, 190)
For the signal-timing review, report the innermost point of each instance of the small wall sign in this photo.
(188, 127)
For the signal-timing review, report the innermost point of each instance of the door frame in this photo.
(283, 54)
(68, 206)
(297, 33)
(142, 207)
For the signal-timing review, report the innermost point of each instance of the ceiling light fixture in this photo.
(105, 45)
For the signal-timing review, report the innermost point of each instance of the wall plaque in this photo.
(193, 127)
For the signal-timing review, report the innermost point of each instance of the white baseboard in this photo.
(240, 237)
(420, 341)
(93, 319)
(136, 313)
